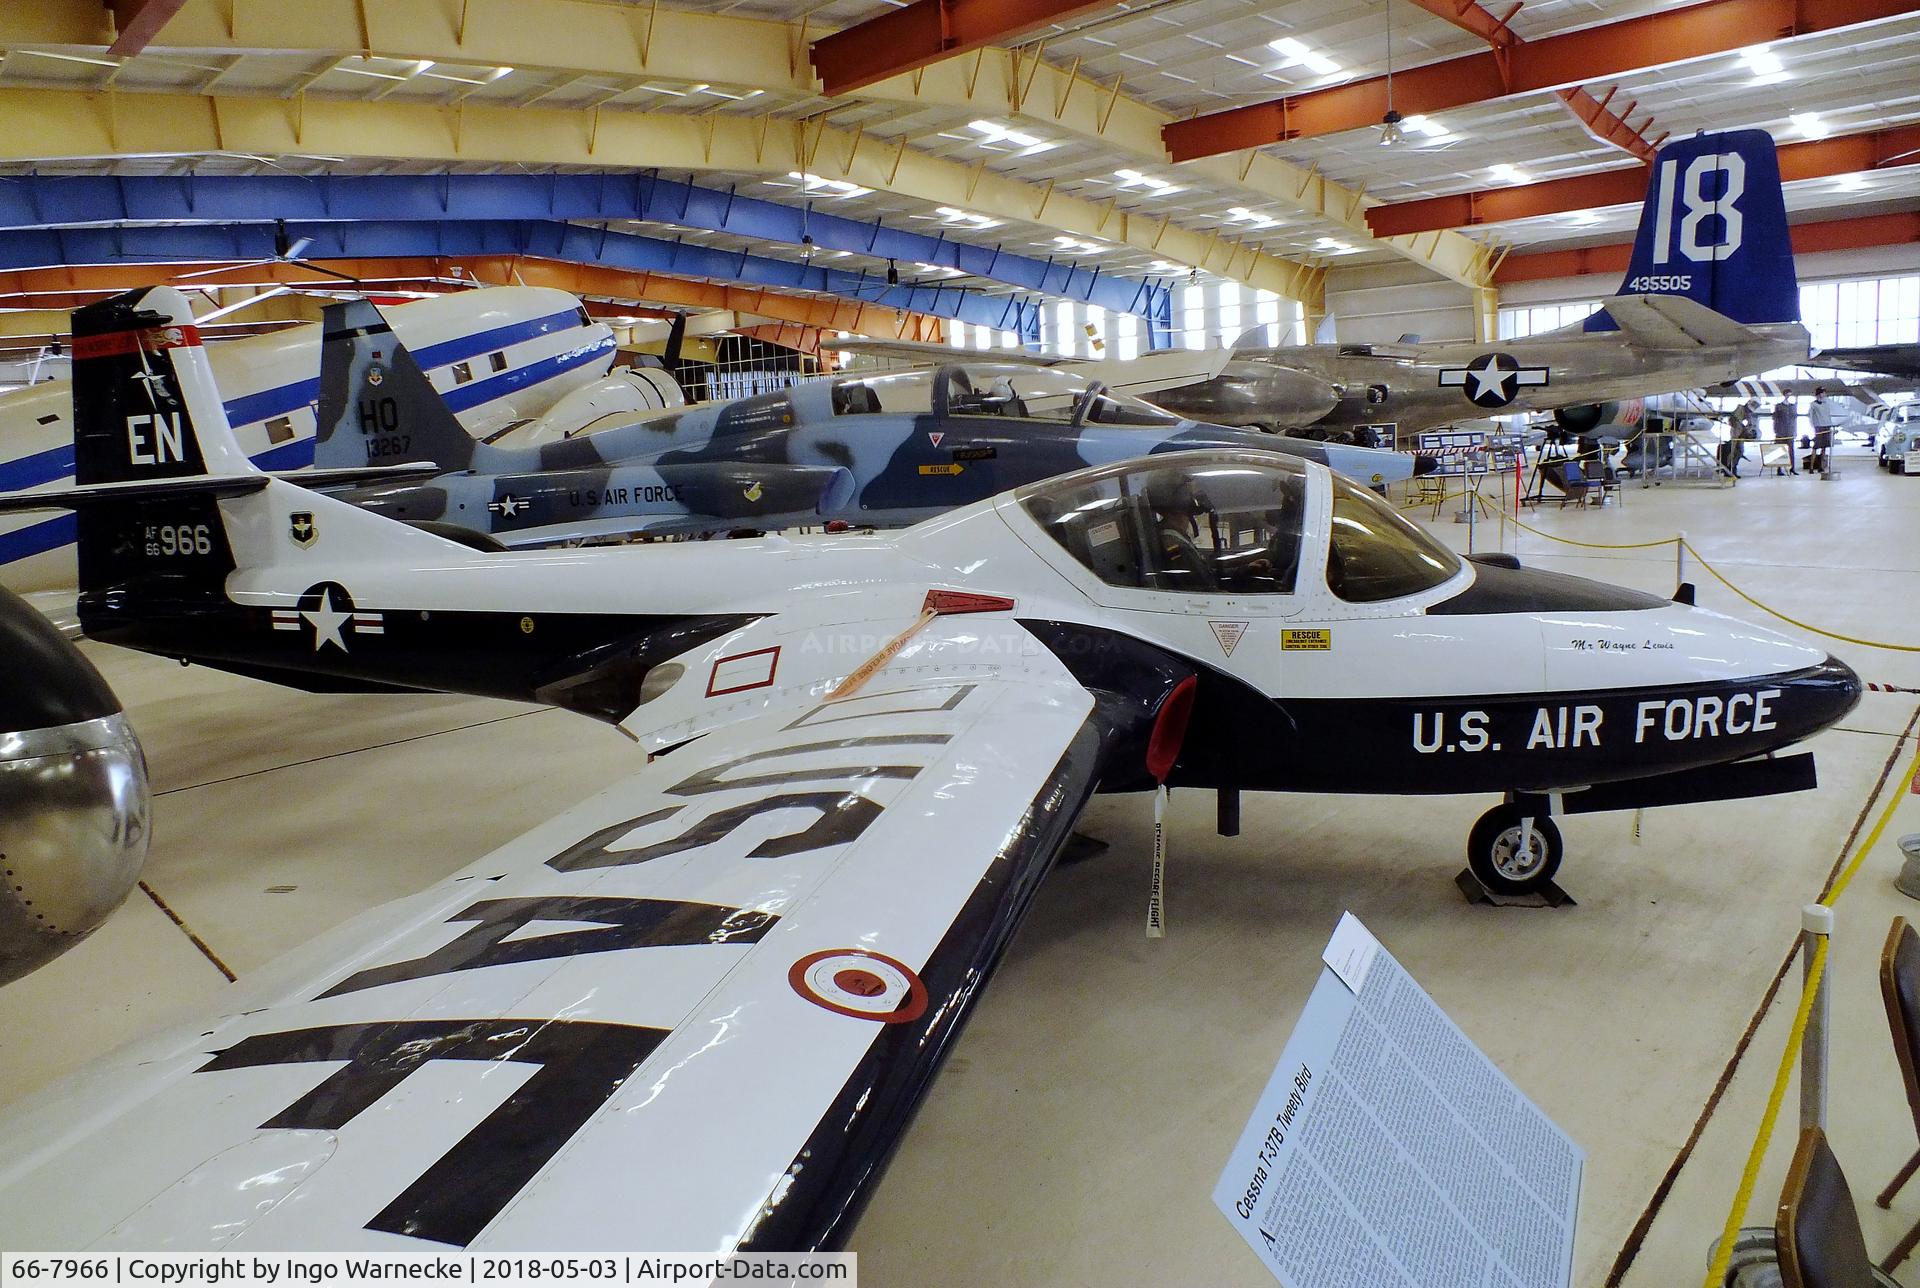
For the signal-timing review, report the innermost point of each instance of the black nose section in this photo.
(1424, 464)
(1829, 691)
(48, 682)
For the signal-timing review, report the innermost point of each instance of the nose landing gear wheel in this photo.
(1505, 860)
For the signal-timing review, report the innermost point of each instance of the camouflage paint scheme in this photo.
(880, 450)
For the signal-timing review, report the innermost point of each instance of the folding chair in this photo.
(1817, 1232)
(1900, 990)
(1577, 484)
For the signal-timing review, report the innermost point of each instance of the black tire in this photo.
(1493, 852)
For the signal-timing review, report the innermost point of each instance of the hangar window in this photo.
(1222, 526)
(1377, 553)
(462, 373)
(280, 429)
(499, 359)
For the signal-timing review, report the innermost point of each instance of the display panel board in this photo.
(1387, 1150)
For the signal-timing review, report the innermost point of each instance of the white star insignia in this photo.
(327, 621)
(1489, 379)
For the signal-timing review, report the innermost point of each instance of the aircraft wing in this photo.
(1149, 372)
(1673, 322)
(922, 351)
(696, 1011)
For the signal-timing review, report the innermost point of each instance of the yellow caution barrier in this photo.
(1717, 1271)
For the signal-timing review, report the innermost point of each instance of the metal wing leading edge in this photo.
(694, 1013)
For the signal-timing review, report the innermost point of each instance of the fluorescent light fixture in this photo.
(1334, 246)
(837, 187)
(1583, 218)
(1074, 243)
(1134, 179)
(68, 58)
(498, 72)
(952, 215)
(1507, 173)
(1241, 215)
(1765, 65)
(1298, 54)
(1425, 126)
(1167, 266)
(1851, 183)
(1810, 125)
(996, 133)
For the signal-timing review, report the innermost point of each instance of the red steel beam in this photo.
(1815, 159)
(1828, 234)
(1553, 62)
(925, 32)
(1608, 127)
(138, 22)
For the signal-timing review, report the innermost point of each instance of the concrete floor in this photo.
(1077, 1132)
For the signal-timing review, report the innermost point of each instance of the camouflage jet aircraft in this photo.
(876, 450)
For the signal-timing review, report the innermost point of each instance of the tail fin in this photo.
(376, 405)
(1714, 229)
(146, 410)
(145, 405)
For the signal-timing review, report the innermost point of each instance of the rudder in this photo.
(377, 406)
(1714, 229)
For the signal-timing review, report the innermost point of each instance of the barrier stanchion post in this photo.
(1816, 924)
(1679, 559)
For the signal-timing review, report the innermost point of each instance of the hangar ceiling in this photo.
(1045, 146)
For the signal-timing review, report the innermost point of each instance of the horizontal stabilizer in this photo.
(217, 485)
(1673, 322)
(90, 494)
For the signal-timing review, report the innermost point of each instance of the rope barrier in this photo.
(1719, 576)
(1717, 1271)
(1794, 621)
(1585, 545)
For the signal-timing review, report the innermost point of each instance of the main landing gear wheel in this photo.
(1507, 862)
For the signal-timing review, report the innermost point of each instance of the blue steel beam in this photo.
(40, 248)
(34, 201)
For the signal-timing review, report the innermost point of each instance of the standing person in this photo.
(1822, 417)
(1740, 432)
(1784, 418)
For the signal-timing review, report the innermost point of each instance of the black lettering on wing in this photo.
(625, 923)
(582, 1063)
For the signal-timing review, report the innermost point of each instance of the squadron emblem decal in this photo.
(860, 984)
(329, 610)
(300, 528)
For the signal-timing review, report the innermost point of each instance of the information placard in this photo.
(1388, 1151)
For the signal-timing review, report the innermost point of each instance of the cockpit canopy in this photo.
(995, 389)
(1233, 524)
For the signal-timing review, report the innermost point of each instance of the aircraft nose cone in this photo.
(1834, 689)
(1424, 464)
(74, 803)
